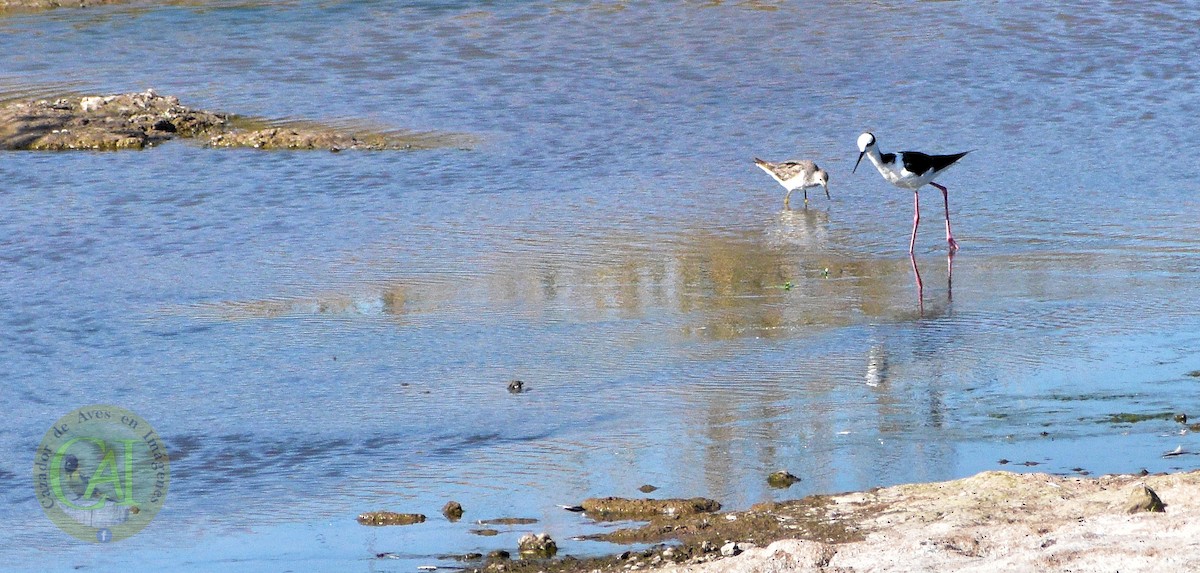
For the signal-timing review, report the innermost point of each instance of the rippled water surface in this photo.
(315, 335)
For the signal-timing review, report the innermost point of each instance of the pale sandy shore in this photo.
(995, 522)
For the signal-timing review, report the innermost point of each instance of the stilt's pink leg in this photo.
(916, 221)
(949, 236)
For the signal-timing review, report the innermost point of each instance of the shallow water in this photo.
(316, 335)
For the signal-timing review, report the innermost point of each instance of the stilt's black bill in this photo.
(860, 154)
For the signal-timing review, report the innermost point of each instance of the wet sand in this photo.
(993, 521)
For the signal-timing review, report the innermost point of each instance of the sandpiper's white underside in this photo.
(793, 174)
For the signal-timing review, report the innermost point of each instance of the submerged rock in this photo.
(390, 518)
(645, 509)
(781, 479)
(540, 545)
(452, 510)
(647, 488)
(516, 387)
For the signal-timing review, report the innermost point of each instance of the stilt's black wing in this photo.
(920, 163)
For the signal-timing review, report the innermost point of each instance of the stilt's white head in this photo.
(865, 142)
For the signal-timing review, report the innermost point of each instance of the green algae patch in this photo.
(1132, 418)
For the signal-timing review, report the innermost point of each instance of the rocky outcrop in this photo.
(140, 120)
(127, 121)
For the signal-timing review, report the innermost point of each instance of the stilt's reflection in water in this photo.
(921, 285)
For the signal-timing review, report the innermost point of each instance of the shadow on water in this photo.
(785, 278)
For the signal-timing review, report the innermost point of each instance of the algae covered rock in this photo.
(782, 479)
(390, 518)
(645, 509)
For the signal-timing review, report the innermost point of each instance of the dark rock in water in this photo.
(1181, 418)
(470, 557)
(390, 518)
(647, 488)
(452, 510)
(645, 509)
(484, 532)
(540, 545)
(516, 386)
(781, 479)
(498, 555)
(1142, 498)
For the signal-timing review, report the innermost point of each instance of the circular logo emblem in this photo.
(101, 473)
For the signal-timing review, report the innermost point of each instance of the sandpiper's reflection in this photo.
(805, 227)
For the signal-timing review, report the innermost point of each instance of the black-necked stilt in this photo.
(796, 175)
(911, 170)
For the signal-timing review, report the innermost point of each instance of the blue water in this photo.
(315, 335)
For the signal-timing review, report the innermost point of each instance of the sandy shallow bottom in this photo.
(997, 521)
